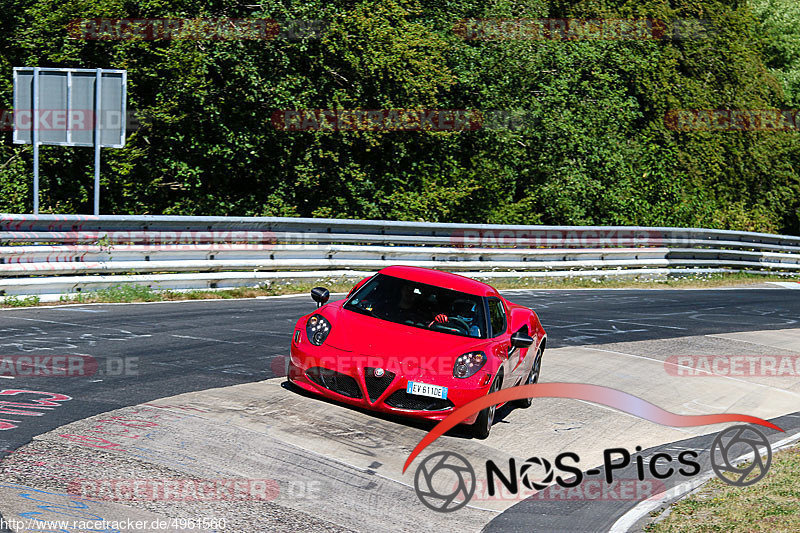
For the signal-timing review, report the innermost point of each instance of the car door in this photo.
(498, 322)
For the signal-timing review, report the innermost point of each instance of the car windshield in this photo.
(421, 306)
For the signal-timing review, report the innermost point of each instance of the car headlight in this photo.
(317, 329)
(467, 364)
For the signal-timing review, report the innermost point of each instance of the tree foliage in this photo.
(593, 148)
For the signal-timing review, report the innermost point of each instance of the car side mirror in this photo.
(320, 295)
(521, 340)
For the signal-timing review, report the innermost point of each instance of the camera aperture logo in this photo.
(446, 481)
(732, 444)
(661, 466)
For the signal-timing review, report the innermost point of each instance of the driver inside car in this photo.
(466, 311)
(462, 314)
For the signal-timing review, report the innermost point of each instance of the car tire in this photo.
(483, 424)
(533, 377)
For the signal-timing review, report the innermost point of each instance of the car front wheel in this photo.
(483, 425)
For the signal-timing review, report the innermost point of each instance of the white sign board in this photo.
(68, 103)
(69, 107)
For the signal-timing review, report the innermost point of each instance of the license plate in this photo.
(423, 389)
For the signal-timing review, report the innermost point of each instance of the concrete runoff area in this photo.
(340, 468)
(326, 467)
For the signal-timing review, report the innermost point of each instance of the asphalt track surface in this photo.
(178, 347)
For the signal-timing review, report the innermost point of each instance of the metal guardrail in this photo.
(58, 254)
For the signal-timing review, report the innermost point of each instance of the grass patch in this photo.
(142, 293)
(771, 504)
(16, 301)
(117, 293)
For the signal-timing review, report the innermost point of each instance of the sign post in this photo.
(35, 138)
(69, 107)
(98, 104)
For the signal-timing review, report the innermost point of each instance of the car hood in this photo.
(362, 334)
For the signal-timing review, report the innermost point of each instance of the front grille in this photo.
(334, 381)
(402, 400)
(376, 386)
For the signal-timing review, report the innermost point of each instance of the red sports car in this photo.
(417, 342)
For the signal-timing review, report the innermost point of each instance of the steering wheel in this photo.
(439, 326)
(458, 322)
(461, 325)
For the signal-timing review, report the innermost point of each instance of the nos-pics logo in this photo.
(445, 481)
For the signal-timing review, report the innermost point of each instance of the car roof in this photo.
(441, 279)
